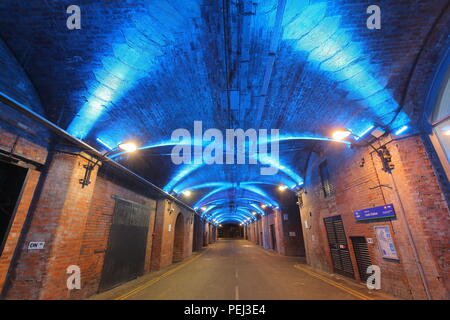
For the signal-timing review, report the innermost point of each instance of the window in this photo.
(440, 118)
(325, 179)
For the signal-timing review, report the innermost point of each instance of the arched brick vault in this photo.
(174, 77)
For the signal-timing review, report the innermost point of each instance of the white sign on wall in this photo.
(385, 242)
(285, 216)
(170, 227)
(36, 245)
(292, 234)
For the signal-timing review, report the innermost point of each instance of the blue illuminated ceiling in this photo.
(139, 69)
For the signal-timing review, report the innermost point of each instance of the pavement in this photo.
(241, 270)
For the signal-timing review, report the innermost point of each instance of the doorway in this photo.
(125, 255)
(273, 236)
(12, 179)
(178, 241)
(337, 241)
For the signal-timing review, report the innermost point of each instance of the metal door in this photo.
(125, 256)
(362, 256)
(337, 241)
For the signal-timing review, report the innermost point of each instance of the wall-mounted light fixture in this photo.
(187, 193)
(341, 134)
(122, 147)
(382, 152)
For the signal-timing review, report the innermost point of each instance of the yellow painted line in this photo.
(354, 293)
(155, 280)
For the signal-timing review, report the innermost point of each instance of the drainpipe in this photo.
(410, 237)
(388, 169)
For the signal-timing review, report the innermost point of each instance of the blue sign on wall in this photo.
(386, 211)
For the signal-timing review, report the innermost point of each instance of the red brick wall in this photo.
(58, 220)
(163, 242)
(357, 187)
(286, 244)
(96, 233)
(75, 222)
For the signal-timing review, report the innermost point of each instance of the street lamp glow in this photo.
(127, 147)
(187, 193)
(341, 134)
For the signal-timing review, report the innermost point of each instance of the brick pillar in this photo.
(265, 231)
(278, 219)
(161, 225)
(57, 219)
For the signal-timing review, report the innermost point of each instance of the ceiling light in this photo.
(254, 213)
(447, 132)
(104, 144)
(187, 193)
(203, 208)
(341, 134)
(282, 187)
(401, 130)
(365, 132)
(127, 147)
(263, 206)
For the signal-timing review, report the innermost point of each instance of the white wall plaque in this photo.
(36, 245)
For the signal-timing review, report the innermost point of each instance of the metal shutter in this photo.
(337, 241)
(362, 256)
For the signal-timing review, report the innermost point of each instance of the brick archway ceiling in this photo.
(140, 69)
